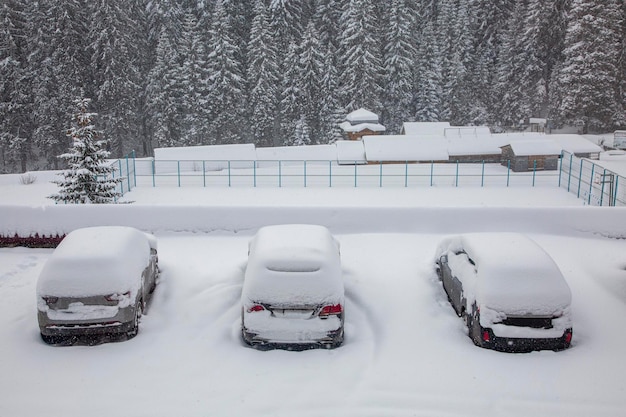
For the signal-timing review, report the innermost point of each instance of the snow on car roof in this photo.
(295, 263)
(513, 273)
(95, 261)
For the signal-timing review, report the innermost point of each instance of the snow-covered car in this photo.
(509, 291)
(293, 293)
(97, 281)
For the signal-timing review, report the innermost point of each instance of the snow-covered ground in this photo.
(406, 353)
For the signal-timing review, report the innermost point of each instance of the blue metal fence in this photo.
(591, 182)
(310, 173)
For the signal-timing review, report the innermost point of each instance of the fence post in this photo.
(615, 192)
(560, 167)
(305, 174)
(127, 172)
(456, 180)
(119, 163)
(482, 176)
(593, 166)
(406, 174)
(534, 170)
(354, 174)
(602, 191)
(229, 180)
(153, 173)
(280, 174)
(330, 173)
(254, 174)
(204, 173)
(134, 168)
(508, 172)
(381, 175)
(569, 178)
(178, 163)
(432, 168)
(580, 178)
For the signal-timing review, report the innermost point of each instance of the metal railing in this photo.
(591, 182)
(310, 173)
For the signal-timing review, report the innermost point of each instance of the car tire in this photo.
(473, 324)
(135, 326)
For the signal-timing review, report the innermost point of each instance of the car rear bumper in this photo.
(510, 344)
(122, 322)
(330, 339)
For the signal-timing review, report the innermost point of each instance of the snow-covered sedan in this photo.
(97, 281)
(293, 293)
(510, 292)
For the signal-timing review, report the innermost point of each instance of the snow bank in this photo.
(62, 219)
(96, 261)
(297, 153)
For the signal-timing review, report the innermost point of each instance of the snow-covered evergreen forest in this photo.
(279, 72)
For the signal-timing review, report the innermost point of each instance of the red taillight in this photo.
(486, 337)
(568, 337)
(330, 310)
(50, 300)
(256, 307)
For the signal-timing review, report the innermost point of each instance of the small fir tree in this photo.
(88, 178)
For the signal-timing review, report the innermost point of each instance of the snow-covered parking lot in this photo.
(406, 353)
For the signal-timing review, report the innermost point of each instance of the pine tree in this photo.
(114, 64)
(309, 76)
(428, 73)
(361, 62)
(15, 148)
(263, 77)
(194, 75)
(590, 71)
(399, 56)
(164, 94)
(88, 180)
(226, 80)
(59, 60)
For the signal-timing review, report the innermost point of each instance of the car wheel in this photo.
(135, 327)
(473, 324)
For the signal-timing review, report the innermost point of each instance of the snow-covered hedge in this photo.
(62, 219)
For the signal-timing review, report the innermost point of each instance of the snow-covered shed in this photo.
(480, 132)
(425, 128)
(474, 150)
(577, 145)
(296, 154)
(361, 123)
(209, 157)
(350, 152)
(404, 148)
(531, 154)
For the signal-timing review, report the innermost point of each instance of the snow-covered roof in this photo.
(424, 128)
(575, 143)
(467, 132)
(236, 152)
(473, 146)
(297, 153)
(535, 147)
(362, 116)
(350, 151)
(374, 127)
(96, 261)
(404, 148)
